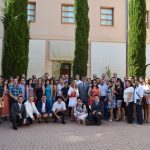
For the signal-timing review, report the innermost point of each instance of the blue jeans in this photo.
(139, 115)
(106, 116)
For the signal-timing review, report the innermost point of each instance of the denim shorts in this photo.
(119, 102)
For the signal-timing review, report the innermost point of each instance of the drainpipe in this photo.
(126, 37)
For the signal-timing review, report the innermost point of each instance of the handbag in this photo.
(139, 101)
(1, 103)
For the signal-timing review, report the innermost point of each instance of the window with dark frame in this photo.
(31, 11)
(67, 14)
(106, 16)
(148, 20)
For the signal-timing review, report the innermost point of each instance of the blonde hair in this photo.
(147, 78)
(73, 83)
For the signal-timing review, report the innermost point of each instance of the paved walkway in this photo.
(55, 136)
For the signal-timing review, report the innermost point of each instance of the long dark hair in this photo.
(46, 82)
(121, 83)
(131, 84)
(31, 83)
(93, 84)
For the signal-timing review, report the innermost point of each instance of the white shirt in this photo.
(58, 106)
(30, 109)
(139, 92)
(126, 92)
(60, 86)
(19, 106)
(71, 90)
(78, 82)
(43, 108)
(103, 89)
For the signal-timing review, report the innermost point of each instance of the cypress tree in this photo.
(16, 38)
(81, 37)
(137, 38)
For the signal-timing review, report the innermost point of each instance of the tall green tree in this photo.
(81, 37)
(137, 38)
(16, 38)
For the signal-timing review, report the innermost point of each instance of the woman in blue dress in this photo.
(48, 92)
(53, 89)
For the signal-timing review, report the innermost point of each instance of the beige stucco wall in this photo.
(148, 60)
(148, 30)
(48, 21)
(37, 59)
(108, 54)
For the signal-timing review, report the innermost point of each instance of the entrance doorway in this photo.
(65, 69)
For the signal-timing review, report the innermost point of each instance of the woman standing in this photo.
(64, 91)
(65, 97)
(5, 110)
(48, 92)
(73, 93)
(128, 99)
(147, 97)
(110, 99)
(1, 98)
(29, 89)
(94, 90)
(53, 90)
(119, 97)
(39, 90)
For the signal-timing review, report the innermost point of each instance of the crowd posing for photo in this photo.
(83, 100)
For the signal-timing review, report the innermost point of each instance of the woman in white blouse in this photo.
(129, 100)
(73, 93)
(147, 98)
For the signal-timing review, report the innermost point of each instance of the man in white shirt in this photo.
(32, 112)
(138, 95)
(77, 80)
(58, 110)
(103, 90)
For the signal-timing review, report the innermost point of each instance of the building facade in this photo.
(52, 36)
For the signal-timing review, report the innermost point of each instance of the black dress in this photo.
(38, 93)
(65, 94)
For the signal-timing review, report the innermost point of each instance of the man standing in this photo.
(18, 113)
(67, 79)
(94, 76)
(78, 81)
(14, 92)
(138, 95)
(103, 89)
(83, 88)
(22, 86)
(60, 86)
(59, 109)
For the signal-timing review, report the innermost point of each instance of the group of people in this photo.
(84, 100)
